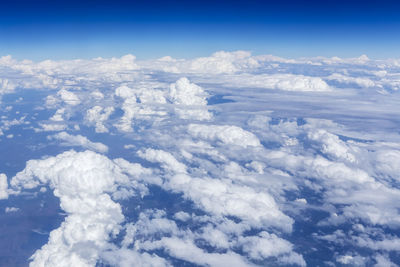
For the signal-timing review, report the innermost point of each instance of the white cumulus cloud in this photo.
(79, 140)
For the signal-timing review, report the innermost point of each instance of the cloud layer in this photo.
(228, 159)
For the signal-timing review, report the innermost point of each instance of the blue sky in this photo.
(84, 29)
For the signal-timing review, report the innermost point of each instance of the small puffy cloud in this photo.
(183, 92)
(3, 186)
(68, 97)
(269, 245)
(186, 250)
(384, 260)
(51, 101)
(51, 127)
(332, 145)
(354, 260)
(227, 134)
(190, 100)
(139, 104)
(149, 223)
(124, 92)
(388, 163)
(127, 257)
(11, 209)
(167, 160)
(6, 86)
(97, 95)
(58, 116)
(98, 115)
(78, 140)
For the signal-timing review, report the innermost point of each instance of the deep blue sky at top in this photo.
(57, 29)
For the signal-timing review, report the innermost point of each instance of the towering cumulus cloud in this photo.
(84, 183)
(190, 100)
